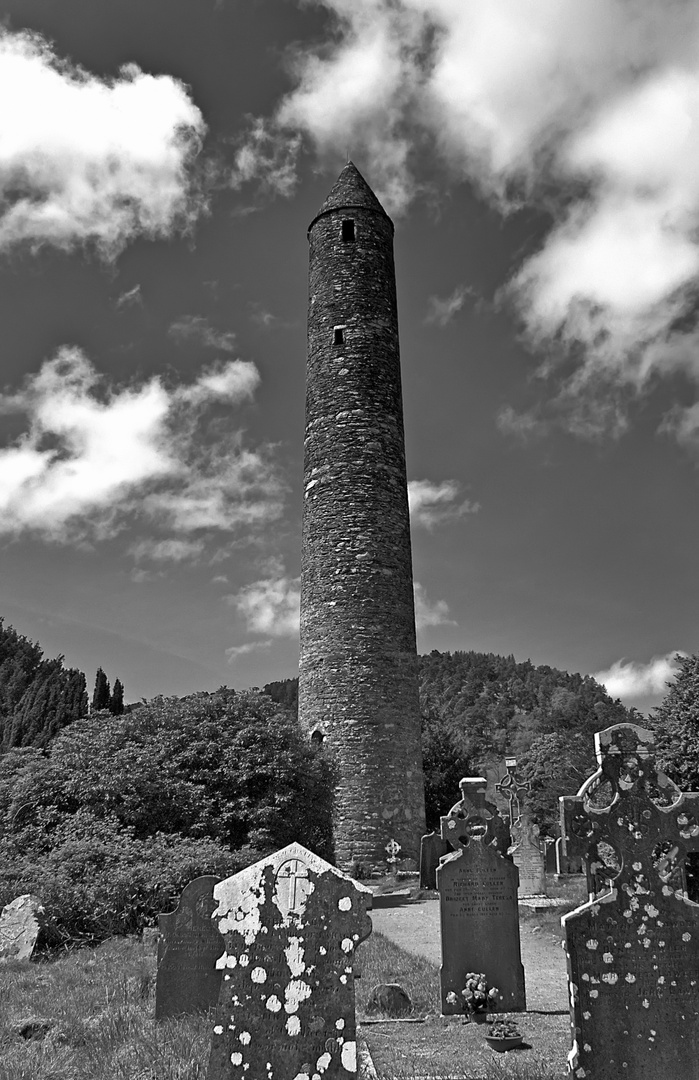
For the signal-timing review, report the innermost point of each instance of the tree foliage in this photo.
(38, 697)
(116, 698)
(100, 695)
(211, 782)
(675, 723)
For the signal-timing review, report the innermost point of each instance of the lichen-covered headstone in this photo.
(291, 924)
(633, 950)
(188, 980)
(19, 927)
(479, 916)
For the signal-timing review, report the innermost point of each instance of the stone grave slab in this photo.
(633, 951)
(291, 924)
(479, 916)
(19, 927)
(189, 945)
(528, 857)
(479, 924)
(432, 847)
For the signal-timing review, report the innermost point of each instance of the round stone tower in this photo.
(358, 684)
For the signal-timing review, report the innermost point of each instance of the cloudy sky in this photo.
(159, 165)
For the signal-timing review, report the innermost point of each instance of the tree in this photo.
(100, 696)
(116, 700)
(117, 817)
(675, 723)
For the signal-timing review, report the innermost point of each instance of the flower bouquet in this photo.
(476, 996)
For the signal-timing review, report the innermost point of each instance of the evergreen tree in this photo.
(100, 697)
(676, 726)
(116, 701)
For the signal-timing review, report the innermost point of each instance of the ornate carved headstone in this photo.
(286, 1009)
(188, 980)
(633, 950)
(19, 927)
(478, 901)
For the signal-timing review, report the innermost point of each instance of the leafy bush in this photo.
(124, 810)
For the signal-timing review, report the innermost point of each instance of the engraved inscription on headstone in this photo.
(633, 951)
(291, 924)
(478, 902)
(19, 927)
(188, 980)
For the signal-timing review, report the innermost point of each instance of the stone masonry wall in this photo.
(358, 681)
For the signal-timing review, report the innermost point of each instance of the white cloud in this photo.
(430, 613)
(90, 160)
(442, 311)
(266, 156)
(197, 328)
(130, 298)
(629, 679)
(588, 109)
(433, 504)
(271, 605)
(94, 458)
(247, 647)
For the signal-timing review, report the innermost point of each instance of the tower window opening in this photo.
(338, 335)
(317, 739)
(348, 232)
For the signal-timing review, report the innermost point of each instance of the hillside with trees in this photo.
(38, 697)
(478, 707)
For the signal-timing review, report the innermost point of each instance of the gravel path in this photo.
(415, 927)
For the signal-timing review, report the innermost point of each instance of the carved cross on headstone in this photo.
(510, 786)
(633, 951)
(392, 848)
(292, 887)
(474, 818)
(603, 837)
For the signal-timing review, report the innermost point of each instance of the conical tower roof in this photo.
(350, 191)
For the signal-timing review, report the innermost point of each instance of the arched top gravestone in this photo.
(633, 953)
(187, 980)
(291, 924)
(478, 901)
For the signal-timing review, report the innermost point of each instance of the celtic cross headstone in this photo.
(291, 924)
(478, 901)
(526, 851)
(633, 950)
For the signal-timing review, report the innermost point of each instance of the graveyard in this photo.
(290, 961)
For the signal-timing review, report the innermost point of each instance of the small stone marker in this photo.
(189, 945)
(633, 951)
(478, 902)
(389, 998)
(528, 857)
(286, 1009)
(19, 927)
(432, 847)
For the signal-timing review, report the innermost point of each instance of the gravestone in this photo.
(566, 863)
(19, 927)
(633, 950)
(549, 855)
(432, 847)
(528, 857)
(479, 917)
(189, 945)
(286, 1008)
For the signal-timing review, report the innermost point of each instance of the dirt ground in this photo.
(446, 1046)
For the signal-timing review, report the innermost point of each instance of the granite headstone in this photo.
(432, 847)
(20, 923)
(633, 950)
(189, 945)
(286, 1009)
(528, 857)
(479, 917)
